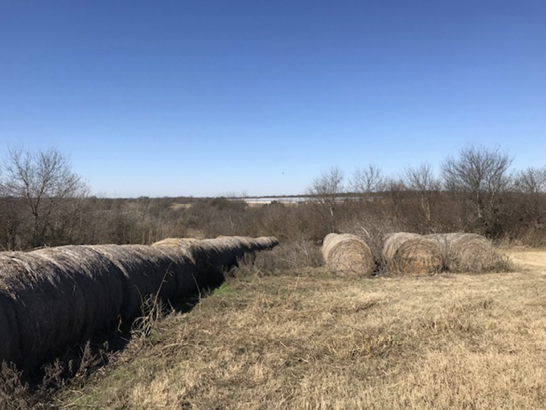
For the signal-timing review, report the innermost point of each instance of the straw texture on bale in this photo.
(347, 255)
(53, 297)
(468, 252)
(411, 253)
(213, 257)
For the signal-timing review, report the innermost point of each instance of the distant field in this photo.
(306, 340)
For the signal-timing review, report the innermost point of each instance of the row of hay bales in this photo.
(51, 298)
(403, 252)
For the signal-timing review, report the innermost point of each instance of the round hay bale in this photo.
(235, 247)
(213, 257)
(42, 305)
(411, 253)
(347, 255)
(143, 273)
(193, 248)
(182, 278)
(178, 242)
(60, 296)
(266, 242)
(95, 285)
(469, 252)
(53, 297)
(9, 331)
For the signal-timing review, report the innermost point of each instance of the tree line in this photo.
(476, 191)
(44, 203)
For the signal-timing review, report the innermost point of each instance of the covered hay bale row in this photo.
(411, 253)
(468, 252)
(54, 297)
(347, 255)
(214, 256)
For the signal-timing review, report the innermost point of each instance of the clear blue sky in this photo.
(203, 98)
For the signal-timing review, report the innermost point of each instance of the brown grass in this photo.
(347, 255)
(411, 253)
(320, 342)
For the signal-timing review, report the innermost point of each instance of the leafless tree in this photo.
(421, 178)
(367, 180)
(529, 204)
(43, 179)
(326, 191)
(426, 186)
(480, 174)
(531, 181)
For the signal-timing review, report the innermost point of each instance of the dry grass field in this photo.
(307, 340)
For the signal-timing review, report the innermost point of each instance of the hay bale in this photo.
(185, 274)
(94, 285)
(441, 239)
(54, 297)
(266, 243)
(177, 242)
(61, 296)
(37, 301)
(64, 295)
(411, 253)
(469, 252)
(145, 271)
(213, 257)
(347, 255)
(8, 326)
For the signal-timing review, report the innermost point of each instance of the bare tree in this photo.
(426, 186)
(531, 181)
(369, 179)
(421, 178)
(325, 191)
(481, 175)
(44, 179)
(529, 205)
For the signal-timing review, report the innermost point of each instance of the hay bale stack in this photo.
(213, 257)
(145, 271)
(51, 298)
(266, 243)
(468, 252)
(411, 253)
(441, 239)
(347, 255)
(231, 246)
(177, 242)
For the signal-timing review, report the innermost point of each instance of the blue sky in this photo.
(204, 98)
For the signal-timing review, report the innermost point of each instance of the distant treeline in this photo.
(94, 220)
(46, 205)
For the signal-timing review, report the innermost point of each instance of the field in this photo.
(302, 339)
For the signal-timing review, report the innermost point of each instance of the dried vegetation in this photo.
(308, 340)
